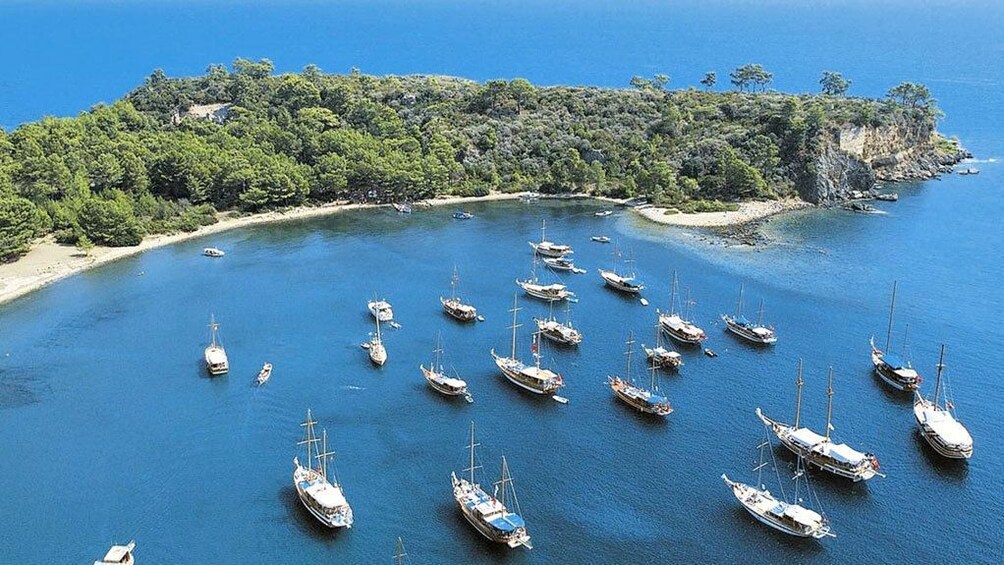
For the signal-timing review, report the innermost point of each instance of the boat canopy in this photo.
(947, 427)
(806, 437)
(325, 494)
(893, 360)
(802, 515)
(656, 399)
(508, 522)
(844, 453)
(451, 382)
(215, 355)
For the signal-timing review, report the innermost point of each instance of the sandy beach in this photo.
(48, 261)
(747, 212)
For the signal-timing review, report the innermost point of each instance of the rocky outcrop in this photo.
(850, 159)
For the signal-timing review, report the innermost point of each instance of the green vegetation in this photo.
(174, 151)
(834, 84)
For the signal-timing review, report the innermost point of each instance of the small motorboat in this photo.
(887, 196)
(402, 208)
(462, 215)
(603, 213)
(213, 252)
(710, 352)
(264, 374)
(600, 239)
(969, 171)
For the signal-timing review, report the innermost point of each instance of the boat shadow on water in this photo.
(950, 469)
(303, 521)
(645, 419)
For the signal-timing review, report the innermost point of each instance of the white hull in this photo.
(514, 377)
(757, 502)
(862, 472)
(617, 282)
(941, 445)
(341, 518)
(378, 354)
(747, 334)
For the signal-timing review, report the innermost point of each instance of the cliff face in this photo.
(850, 159)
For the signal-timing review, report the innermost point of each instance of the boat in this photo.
(403, 208)
(264, 374)
(217, 362)
(860, 207)
(563, 333)
(381, 310)
(789, 517)
(648, 401)
(533, 378)
(710, 352)
(530, 196)
(661, 357)
(213, 252)
(617, 281)
(456, 307)
(546, 248)
(325, 500)
(119, 555)
(439, 380)
(887, 196)
(677, 325)
(600, 239)
(603, 213)
(549, 292)
(969, 171)
(938, 424)
(490, 515)
(462, 215)
(890, 367)
(754, 332)
(560, 264)
(399, 553)
(377, 351)
(820, 451)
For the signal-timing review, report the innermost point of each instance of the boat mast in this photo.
(453, 285)
(438, 351)
(515, 309)
(690, 305)
(378, 329)
(310, 439)
(829, 403)
(324, 454)
(759, 318)
(399, 553)
(472, 446)
(627, 354)
(673, 296)
(892, 308)
(213, 326)
(543, 226)
(798, 396)
(937, 382)
(739, 305)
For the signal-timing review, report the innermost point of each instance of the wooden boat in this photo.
(215, 356)
(462, 215)
(377, 351)
(563, 333)
(661, 357)
(617, 281)
(119, 555)
(550, 292)
(600, 239)
(456, 307)
(546, 248)
(890, 367)
(324, 499)
(820, 451)
(437, 378)
(677, 325)
(381, 310)
(754, 332)
(264, 374)
(648, 401)
(789, 517)
(491, 515)
(533, 378)
(560, 264)
(938, 424)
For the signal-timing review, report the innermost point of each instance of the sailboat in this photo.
(562, 264)
(399, 553)
(750, 331)
(217, 362)
(119, 555)
(437, 378)
(547, 248)
(890, 367)
(563, 333)
(325, 500)
(490, 514)
(623, 283)
(533, 378)
(381, 310)
(938, 424)
(378, 353)
(837, 458)
(649, 400)
(550, 292)
(659, 356)
(678, 326)
(789, 517)
(264, 374)
(456, 307)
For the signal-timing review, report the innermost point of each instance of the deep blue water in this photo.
(112, 432)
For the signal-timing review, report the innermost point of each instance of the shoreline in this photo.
(48, 262)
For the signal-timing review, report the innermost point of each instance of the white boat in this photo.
(550, 292)
(789, 517)
(213, 252)
(661, 357)
(603, 213)
(533, 378)
(403, 208)
(381, 310)
(377, 351)
(600, 239)
(754, 332)
(119, 555)
(217, 362)
(437, 378)
(456, 307)
(546, 248)
(820, 451)
(560, 264)
(891, 368)
(264, 374)
(617, 281)
(563, 333)
(324, 499)
(648, 401)
(491, 515)
(677, 325)
(938, 424)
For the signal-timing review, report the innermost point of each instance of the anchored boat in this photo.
(490, 515)
(617, 281)
(546, 248)
(550, 292)
(679, 326)
(119, 555)
(456, 307)
(820, 451)
(213, 252)
(659, 356)
(377, 351)
(217, 362)
(563, 333)
(754, 332)
(381, 310)
(890, 367)
(437, 378)
(325, 500)
(264, 374)
(533, 378)
(938, 424)
(645, 400)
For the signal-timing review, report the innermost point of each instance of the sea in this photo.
(113, 431)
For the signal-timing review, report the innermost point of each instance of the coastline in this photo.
(749, 212)
(48, 261)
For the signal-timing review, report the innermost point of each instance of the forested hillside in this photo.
(175, 150)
